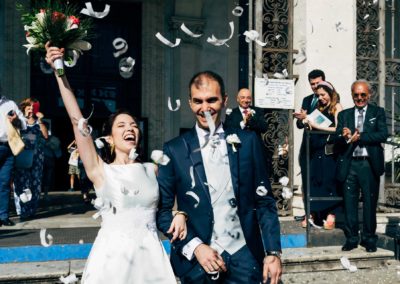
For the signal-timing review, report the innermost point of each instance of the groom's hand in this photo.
(272, 269)
(209, 258)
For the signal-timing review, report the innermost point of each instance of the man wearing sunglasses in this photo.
(360, 132)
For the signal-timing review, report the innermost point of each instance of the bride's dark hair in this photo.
(106, 153)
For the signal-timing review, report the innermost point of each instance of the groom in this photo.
(220, 182)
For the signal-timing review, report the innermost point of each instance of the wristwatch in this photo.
(278, 254)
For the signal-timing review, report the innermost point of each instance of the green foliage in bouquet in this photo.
(58, 23)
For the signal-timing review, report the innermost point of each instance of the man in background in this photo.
(308, 106)
(359, 134)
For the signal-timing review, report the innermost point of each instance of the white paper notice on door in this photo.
(274, 93)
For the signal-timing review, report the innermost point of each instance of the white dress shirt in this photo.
(5, 108)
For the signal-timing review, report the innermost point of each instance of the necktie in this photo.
(314, 102)
(245, 111)
(360, 121)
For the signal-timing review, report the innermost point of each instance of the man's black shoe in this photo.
(6, 222)
(299, 218)
(369, 247)
(349, 246)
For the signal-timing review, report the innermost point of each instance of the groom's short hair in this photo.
(197, 81)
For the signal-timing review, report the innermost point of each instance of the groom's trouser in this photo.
(242, 269)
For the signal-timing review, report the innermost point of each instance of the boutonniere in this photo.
(234, 140)
(228, 111)
(252, 112)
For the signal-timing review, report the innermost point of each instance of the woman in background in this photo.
(322, 160)
(30, 176)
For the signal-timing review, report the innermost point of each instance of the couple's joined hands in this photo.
(212, 261)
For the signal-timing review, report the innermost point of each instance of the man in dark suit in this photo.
(246, 116)
(360, 132)
(220, 182)
(308, 106)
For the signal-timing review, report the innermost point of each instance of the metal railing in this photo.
(310, 198)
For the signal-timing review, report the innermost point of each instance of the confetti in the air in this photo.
(178, 104)
(218, 42)
(167, 42)
(99, 15)
(189, 32)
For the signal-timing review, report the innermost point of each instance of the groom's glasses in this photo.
(356, 95)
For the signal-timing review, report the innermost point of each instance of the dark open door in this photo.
(96, 79)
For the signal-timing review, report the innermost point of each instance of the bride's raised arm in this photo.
(91, 161)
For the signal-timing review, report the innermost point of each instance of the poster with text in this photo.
(274, 93)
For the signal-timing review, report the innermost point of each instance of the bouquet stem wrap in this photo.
(59, 65)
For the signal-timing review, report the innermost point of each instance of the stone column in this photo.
(15, 64)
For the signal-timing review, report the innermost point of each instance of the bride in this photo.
(127, 248)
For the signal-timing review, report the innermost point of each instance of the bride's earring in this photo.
(112, 148)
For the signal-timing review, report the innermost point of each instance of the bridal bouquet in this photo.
(58, 23)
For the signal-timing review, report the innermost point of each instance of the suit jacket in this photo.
(256, 123)
(374, 133)
(306, 105)
(256, 213)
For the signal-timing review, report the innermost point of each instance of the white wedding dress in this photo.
(127, 248)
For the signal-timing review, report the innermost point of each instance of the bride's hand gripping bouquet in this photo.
(59, 24)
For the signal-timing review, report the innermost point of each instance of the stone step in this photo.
(327, 258)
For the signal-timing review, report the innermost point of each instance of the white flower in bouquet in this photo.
(58, 24)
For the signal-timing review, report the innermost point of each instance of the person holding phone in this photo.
(8, 111)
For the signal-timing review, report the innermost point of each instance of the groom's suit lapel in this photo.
(194, 153)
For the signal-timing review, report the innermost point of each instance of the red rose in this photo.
(74, 20)
(57, 16)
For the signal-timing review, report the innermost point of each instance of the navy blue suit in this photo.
(257, 214)
(256, 123)
(365, 174)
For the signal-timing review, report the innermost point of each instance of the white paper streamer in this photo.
(84, 131)
(284, 181)
(132, 154)
(311, 221)
(286, 193)
(74, 55)
(237, 11)
(215, 275)
(127, 65)
(346, 264)
(26, 195)
(253, 35)
(99, 143)
(228, 111)
(261, 190)
(159, 157)
(218, 42)
(195, 196)
(167, 42)
(191, 172)
(210, 122)
(189, 32)
(366, 16)
(124, 65)
(120, 45)
(81, 242)
(178, 104)
(43, 240)
(70, 279)
(99, 15)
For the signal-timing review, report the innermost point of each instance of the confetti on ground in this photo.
(44, 238)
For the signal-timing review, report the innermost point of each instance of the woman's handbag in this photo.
(14, 139)
(329, 146)
(24, 160)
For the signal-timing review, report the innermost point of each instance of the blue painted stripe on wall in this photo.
(77, 251)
